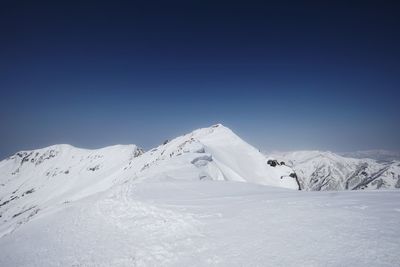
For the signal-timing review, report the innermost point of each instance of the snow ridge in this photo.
(320, 170)
(193, 201)
(37, 180)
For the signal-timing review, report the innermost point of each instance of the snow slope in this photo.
(318, 170)
(211, 223)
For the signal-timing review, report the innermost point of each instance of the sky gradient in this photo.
(284, 76)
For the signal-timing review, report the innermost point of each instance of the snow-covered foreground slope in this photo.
(319, 170)
(211, 223)
(34, 181)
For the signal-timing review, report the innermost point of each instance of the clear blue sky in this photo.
(284, 76)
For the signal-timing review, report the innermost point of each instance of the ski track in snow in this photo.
(166, 229)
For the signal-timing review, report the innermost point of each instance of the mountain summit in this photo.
(206, 198)
(214, 153)
(33, 181)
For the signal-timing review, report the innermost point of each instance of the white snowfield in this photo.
(203, 199)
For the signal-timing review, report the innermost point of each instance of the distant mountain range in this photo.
(377, 154)
(321, 170)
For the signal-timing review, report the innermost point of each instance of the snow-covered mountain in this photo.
(206, 198)
(31, 181)
(319, 170)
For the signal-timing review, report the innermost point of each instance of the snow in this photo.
(324, 170)
(204, 198)
(202, 223)
(34, 180)
(228, 158)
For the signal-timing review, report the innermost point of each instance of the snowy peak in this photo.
(33, 180)
(64, 201)
(319, 170)
(213, 153)
(242, 162)
(37, 180)
(47, 178)
(64, 157)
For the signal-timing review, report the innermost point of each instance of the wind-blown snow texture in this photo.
(318, 170)
(192, 201)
